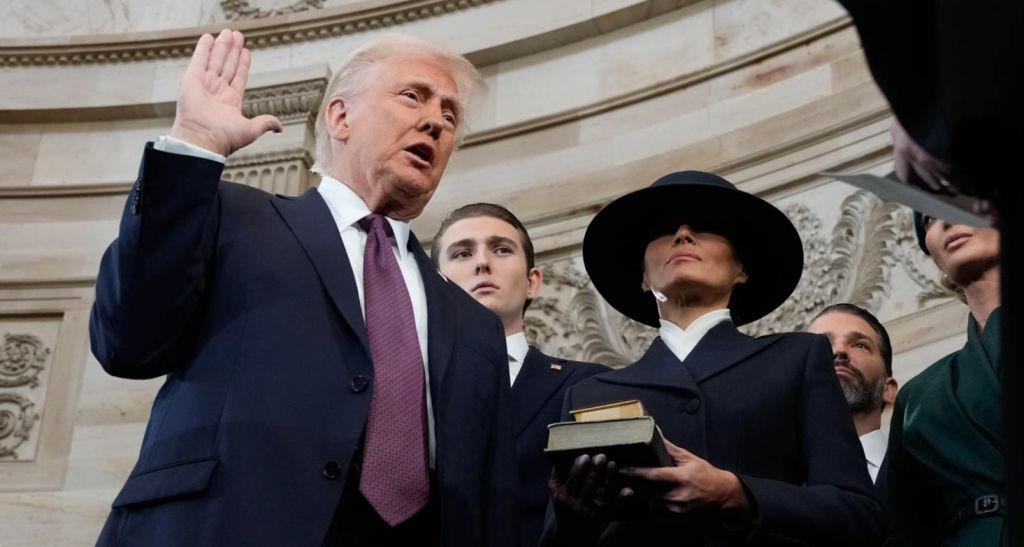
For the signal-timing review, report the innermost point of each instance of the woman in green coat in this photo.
(945, 458)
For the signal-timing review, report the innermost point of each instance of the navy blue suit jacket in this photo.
(768, 409)
(246, 301)
(536, 402)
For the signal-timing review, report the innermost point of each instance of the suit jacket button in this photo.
(692, 406)
(331, 470)
(359, 384)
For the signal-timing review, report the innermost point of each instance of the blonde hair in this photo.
(350, 80)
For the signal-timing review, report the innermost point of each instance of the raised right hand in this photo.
(209, 110)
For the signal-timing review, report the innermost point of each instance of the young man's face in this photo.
(485, 256)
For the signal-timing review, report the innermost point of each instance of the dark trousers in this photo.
(357, 524)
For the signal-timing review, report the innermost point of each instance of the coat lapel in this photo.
(721, 348)
(535, 384)
(658, 368)
(440, 327)
(310, 220)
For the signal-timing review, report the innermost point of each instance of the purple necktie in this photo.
(395, 477)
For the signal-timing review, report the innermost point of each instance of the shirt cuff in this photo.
(172, 145)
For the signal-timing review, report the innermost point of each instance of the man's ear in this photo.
(336, 116)
(645, 285)
(534, 282)
(889, 391)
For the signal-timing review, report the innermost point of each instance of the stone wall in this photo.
(588, 99)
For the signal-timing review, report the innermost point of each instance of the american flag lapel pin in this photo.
(556, 366)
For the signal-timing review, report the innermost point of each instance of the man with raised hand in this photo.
(325, 386)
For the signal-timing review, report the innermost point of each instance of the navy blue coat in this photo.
(536, 402)
(770, 410)
(246, 301)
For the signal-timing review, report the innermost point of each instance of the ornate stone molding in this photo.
(271, 32)
(573, 321)
(22, 358)
(283, 172)
(295, 101)
(242, 161)
(17, 418)
(235, 10)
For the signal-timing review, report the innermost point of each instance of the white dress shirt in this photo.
(517, 350)
(681, 342)
(347, 208)
(874, 444)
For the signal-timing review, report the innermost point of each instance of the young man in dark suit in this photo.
(325, 386)
(487, 251)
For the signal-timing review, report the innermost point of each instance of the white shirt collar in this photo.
(517, 346)
(874, 444)
(347, 208)
(681, 342)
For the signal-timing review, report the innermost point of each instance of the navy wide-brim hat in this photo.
(921, 230)
(764, 239)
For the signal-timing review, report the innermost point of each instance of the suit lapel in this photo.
(722, 348)
(535, 384)
(440, 327)
(310, 220)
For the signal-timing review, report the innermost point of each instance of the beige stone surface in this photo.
(97, 152)
(19, 146)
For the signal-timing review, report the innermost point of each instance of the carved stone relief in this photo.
(235, 10)
(22, 358)
(854, 263)
(17, 418)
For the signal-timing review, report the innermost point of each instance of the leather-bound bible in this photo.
(620, 431)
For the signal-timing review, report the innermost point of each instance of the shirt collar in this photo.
(698, 328)
(347, 208)
(681, 342)
(874, 444)
(517, 346)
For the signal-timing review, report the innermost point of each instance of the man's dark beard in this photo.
(862, 395)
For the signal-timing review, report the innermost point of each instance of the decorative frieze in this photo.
(236, 10)
(277, 32)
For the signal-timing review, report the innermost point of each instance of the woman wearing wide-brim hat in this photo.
(764, 447)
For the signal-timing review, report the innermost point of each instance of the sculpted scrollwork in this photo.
(22, 358)
(235, 10)
(17, 417)
(289, 102)
(854, 263)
